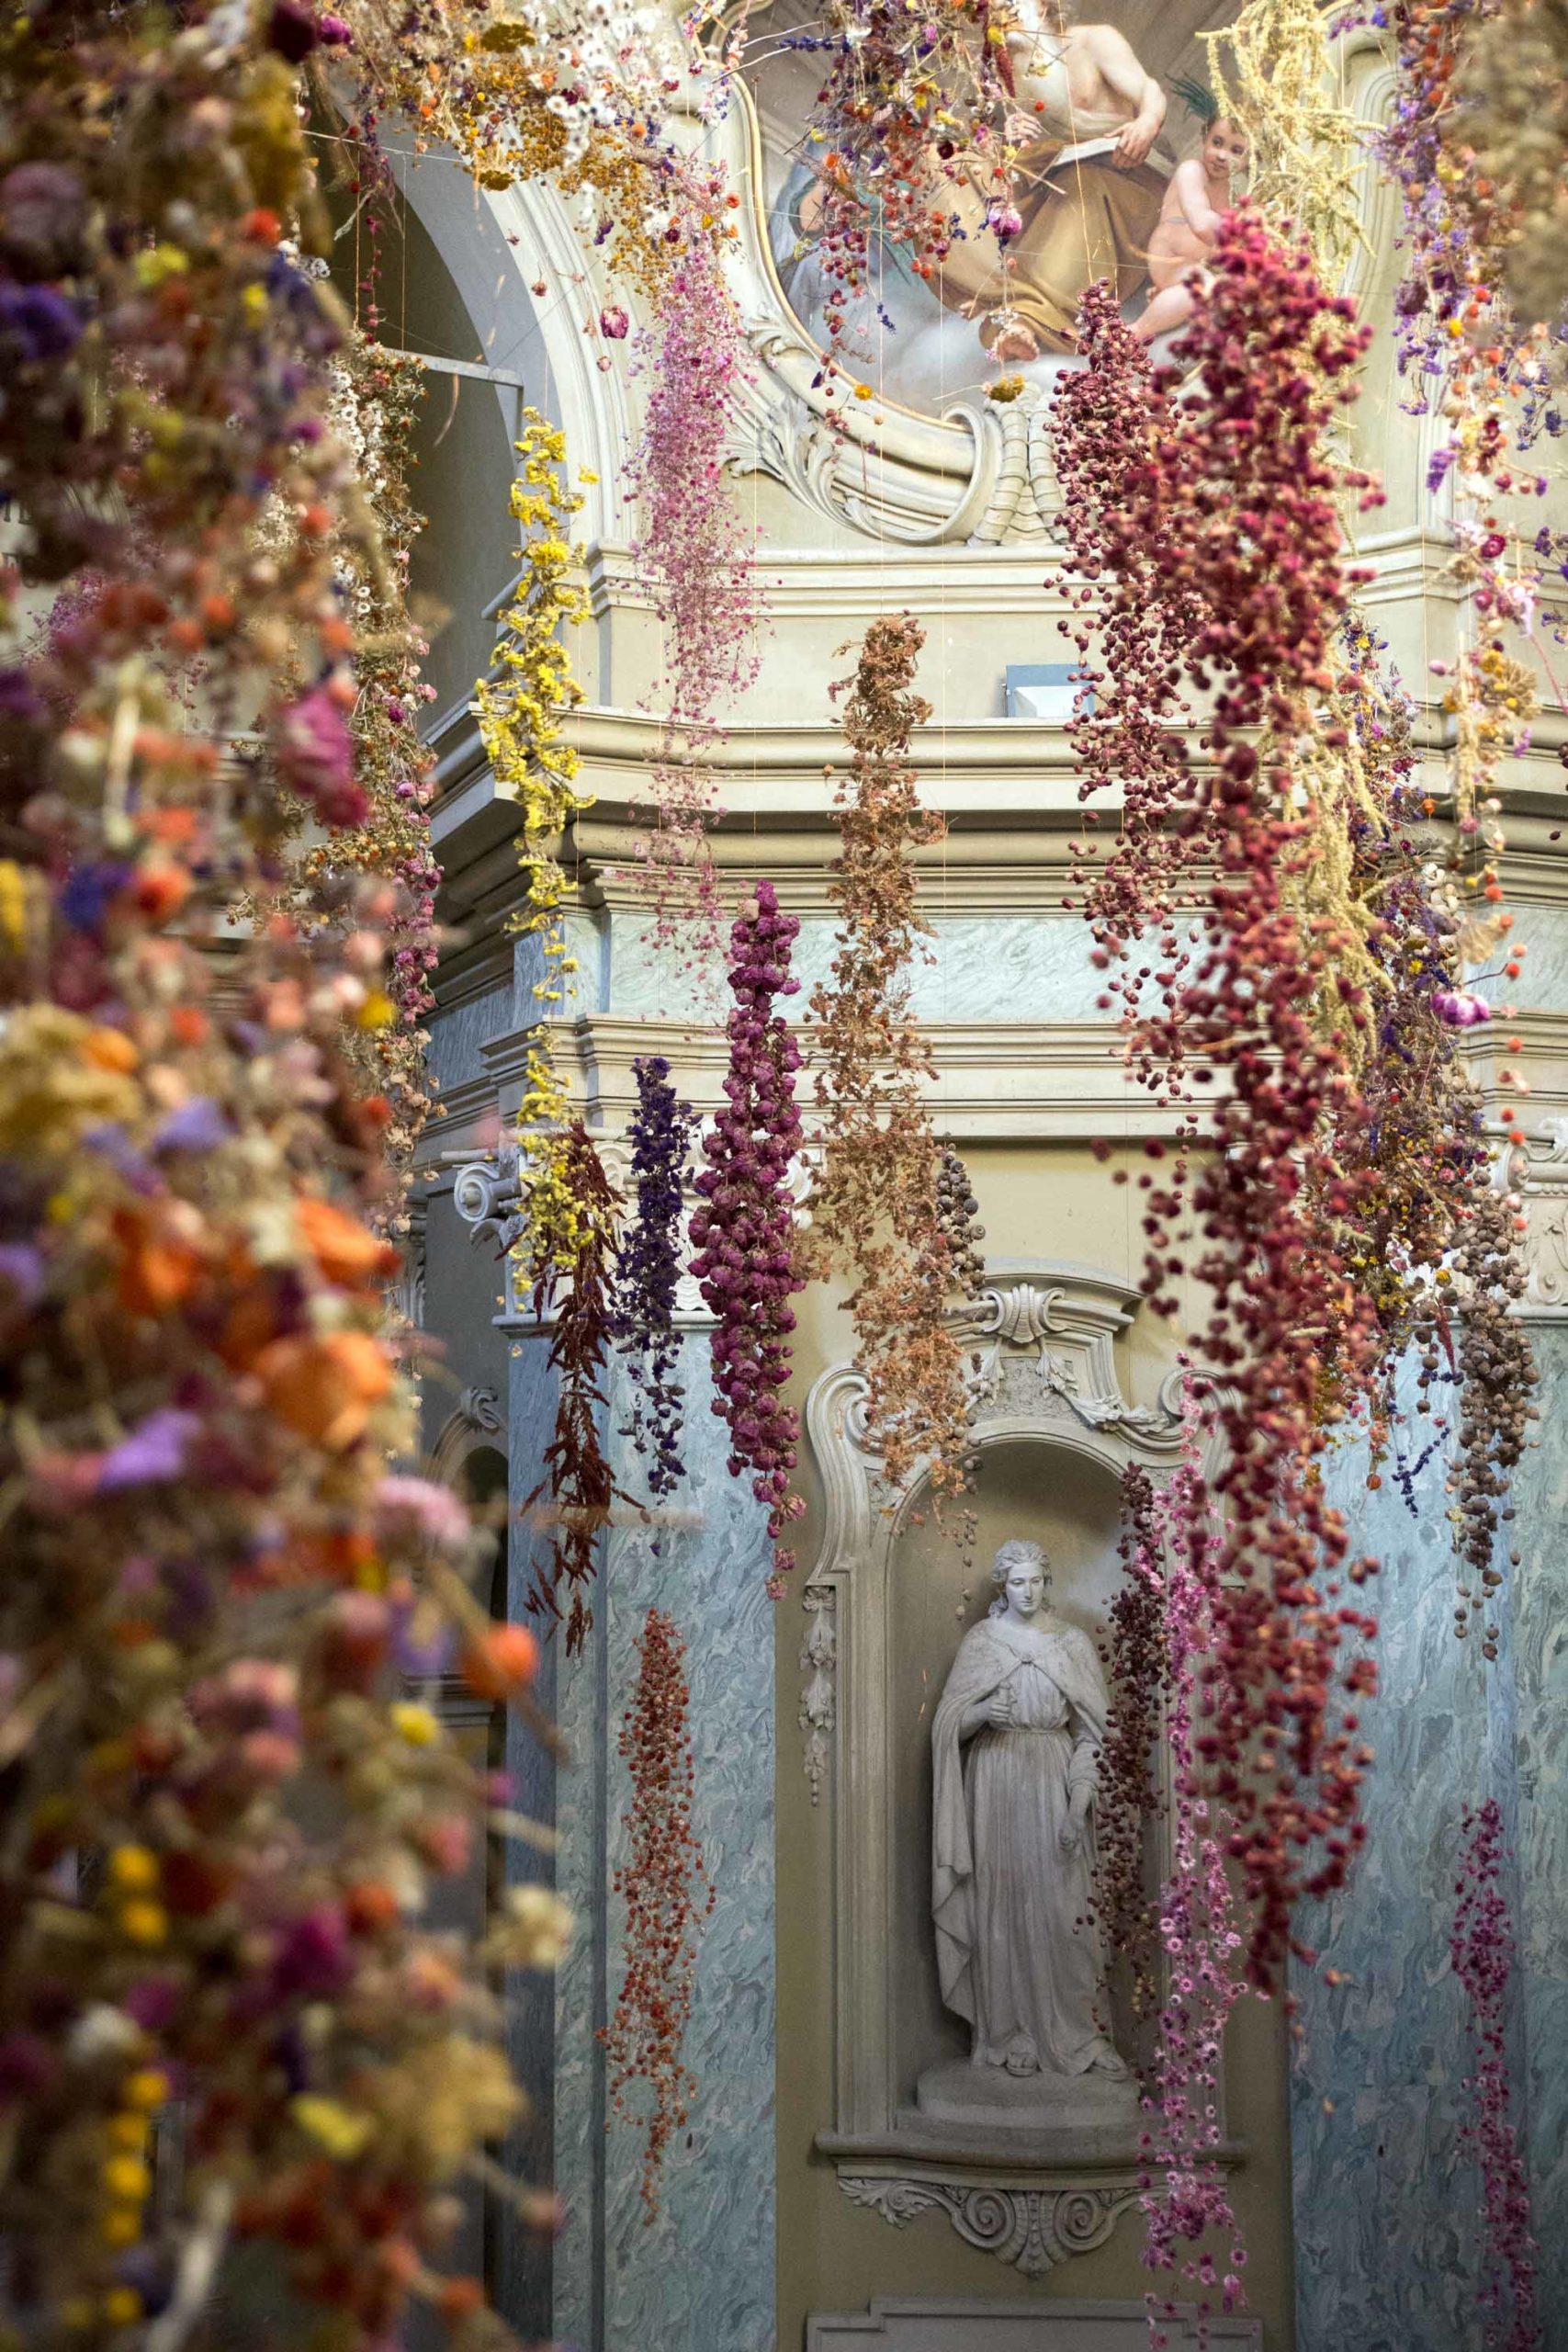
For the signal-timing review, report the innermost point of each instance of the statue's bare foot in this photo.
(1015, 341)
(1021, 2062)
(1106, 2061)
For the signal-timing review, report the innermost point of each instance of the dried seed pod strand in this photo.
(744, 1232)
(668, 1895)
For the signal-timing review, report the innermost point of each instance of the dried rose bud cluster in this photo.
(1485, 1961)
(667, 1896)
(743, 1235)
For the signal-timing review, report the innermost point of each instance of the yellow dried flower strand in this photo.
(1273, 71)
(519, 709)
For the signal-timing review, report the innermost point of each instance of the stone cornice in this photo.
(1042, 1082)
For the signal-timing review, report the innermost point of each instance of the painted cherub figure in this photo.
(1196, 196)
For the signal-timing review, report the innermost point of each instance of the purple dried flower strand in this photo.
(1484, 1954)
(743, 1233)
(661, 1133)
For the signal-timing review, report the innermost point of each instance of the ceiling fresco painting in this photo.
(1122, 163)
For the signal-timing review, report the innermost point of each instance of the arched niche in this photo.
(886, 1602)
(1068, 1498)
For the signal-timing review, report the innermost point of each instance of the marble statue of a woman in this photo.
(1015, 1749)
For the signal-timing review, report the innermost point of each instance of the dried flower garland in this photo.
(1137, 613)
(1274, 1003)
(519, 713)
(1185, 2198)
(1484, 1961)
(743, 1235)
(375, 416)
(667, 1896)
(874, 1202)
(696, 560)
(574, 1495)
(915, 124)
(213, 1578)
(648, 1272)
(1129, 1798)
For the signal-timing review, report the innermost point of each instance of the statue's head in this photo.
(1021, 1575)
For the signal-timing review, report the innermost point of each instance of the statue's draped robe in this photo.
(1083, 218)
(1016, 1950)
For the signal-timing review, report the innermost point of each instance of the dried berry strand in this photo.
(667, 1896)
(743, 1233)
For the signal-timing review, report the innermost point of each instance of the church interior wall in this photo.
(1030, 1077)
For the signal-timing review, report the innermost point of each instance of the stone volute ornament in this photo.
(1015, 1752)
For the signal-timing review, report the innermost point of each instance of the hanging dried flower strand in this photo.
(648, 1272)
(573, 1497)
(1486, 1961)
(746, 1261)
(876, 1204)
(519, 709)
(667, 1896)
(1275, 1000)
(1131, 1799)
(697, 562)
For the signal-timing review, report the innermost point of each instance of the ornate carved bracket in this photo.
(1020, 2222)
(1070, 1328)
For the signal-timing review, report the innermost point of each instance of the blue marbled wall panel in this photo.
(986, 968)
(699, 2278)
(523, 2261)
(1387, 2198)
(1540, 1678)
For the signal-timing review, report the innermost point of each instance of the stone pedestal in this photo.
(988, 2096)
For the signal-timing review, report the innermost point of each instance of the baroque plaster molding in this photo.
(1536, 1168)
(1032, 2227)
(1020, 2324)
(981, 475)
(818, 1698)
(477, 1420)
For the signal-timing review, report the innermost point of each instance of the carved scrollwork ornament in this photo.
(1030, 2227)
